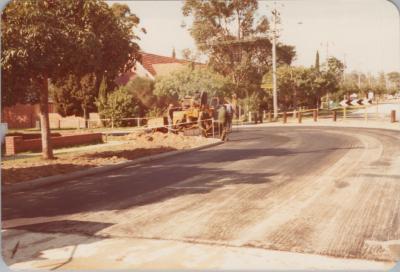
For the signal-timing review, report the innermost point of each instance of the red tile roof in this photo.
(148, 60)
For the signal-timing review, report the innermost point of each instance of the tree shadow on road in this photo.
(96, 193)
(29, 170)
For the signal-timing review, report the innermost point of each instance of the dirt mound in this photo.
(159, 139)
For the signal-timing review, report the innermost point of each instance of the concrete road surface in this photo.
(297, 190)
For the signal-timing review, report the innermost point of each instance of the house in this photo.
(150, 66)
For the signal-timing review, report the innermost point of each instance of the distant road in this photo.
(378, 111)
(320, 190)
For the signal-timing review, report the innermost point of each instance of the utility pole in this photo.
(327, 66)
(274, 87)
(344, 68)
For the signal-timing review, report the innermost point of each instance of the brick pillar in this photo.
(12, 144)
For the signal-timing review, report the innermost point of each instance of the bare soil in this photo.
(138, 144)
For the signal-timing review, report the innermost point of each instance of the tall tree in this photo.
(75, 95)
(336, 67)
(115, 50)
(44, 40)
(229, 33)
(36, 47)
(317, 61)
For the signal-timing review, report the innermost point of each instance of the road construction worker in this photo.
(170, 117)
(229, 116)
(203, 116)
(222, 117)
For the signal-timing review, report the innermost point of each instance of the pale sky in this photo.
(364, 32)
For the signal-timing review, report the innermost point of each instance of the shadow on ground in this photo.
(95, 193)
(17, 171)
(29, 242)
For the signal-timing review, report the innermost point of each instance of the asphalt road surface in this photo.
(325, 191)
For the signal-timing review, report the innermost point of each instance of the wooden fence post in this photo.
(393, 116)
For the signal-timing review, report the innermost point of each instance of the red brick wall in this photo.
(22, 115)
(16, 144)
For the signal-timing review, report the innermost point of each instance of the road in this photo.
(315, 190)
(380, 111)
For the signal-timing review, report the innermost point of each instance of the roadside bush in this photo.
(118, 105)
(142, 90)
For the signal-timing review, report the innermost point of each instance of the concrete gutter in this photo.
(40, 182)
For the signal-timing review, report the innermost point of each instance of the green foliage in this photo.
(102, 97)
(317, 62)
(335, 67)
(34, 44)
(142, 90)
(394, 78)
(229, 33)
(302, 87)
(75, 95)
(361, 84)
(256, 102)
(103, 89)
(187, 81)
(49, 39)
(118, 105)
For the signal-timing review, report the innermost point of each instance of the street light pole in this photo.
(274, 87)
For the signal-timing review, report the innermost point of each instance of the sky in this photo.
(363, 33)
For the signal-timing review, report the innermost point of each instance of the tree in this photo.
(187, 81)
(45, 40)
(115, 50)
(118, 105)
(114, 26)
(227, 32)
(394, 78)
(335, 67)
(75, 95)
(394, 82)
(301, 86)
(317, 61)
(141, 89)
(36, 47)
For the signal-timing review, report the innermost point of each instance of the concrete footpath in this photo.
(71, 251)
